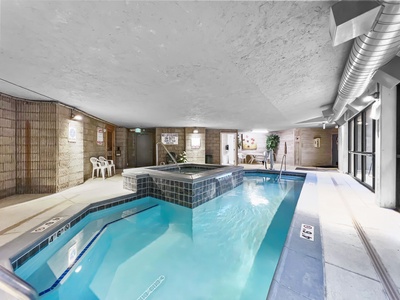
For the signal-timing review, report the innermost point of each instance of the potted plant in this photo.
(182, 157)
(272, 142)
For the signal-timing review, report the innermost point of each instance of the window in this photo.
(362, 148)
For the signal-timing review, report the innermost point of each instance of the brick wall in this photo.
(7, 147)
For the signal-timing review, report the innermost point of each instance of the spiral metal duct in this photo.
(370, 51)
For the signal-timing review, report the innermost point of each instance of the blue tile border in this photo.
(48, 236)
(56, 283)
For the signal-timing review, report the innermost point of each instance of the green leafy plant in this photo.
(272, 142)
(182, 157)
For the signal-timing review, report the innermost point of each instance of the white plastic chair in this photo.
(109, 163)
(97, 166)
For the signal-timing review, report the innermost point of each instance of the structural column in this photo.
(385, 152)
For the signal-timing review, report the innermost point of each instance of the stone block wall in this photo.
(90, 145)
(7, 147)
(131, 150)
(70, 151)
(37, 154)
(195, 155)
(121, 141)
(162, 154)
(36, 147)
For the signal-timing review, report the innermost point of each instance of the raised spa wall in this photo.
(182, 189)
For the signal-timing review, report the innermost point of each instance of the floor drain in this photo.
(151, 288)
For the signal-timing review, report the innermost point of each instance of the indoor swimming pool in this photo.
(226, 248)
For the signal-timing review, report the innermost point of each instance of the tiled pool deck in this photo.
(336, 265)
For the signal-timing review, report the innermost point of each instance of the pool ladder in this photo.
(283, 159)
(14, 287)
(170, 155)
(280, 171)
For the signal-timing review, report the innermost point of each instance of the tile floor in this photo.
(350, 223)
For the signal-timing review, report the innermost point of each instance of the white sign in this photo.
(195, 142)
(100, 136)
(169, 138)
(72, 254)
(307, 232)
(71, 133)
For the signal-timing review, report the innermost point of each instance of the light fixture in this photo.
(259, 130)
(323, 125)
(75, 116)
(375, 110)
(195, 130)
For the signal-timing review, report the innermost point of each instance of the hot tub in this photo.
(190, 185)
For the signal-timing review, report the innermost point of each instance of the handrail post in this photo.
(15, 286)
(170, 155)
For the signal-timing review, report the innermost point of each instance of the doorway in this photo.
(144, 149)
(228, 148)
(335, 153)
(110, 142)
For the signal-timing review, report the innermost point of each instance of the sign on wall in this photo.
(71, 133)
(195, 142)
(169, 138)
(100, 136)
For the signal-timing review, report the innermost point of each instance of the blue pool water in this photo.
(227, 248)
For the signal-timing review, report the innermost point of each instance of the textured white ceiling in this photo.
(229, 64)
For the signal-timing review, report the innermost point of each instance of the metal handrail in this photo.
(283, 158)
(170, 155)
(15, 287)
(280, 171)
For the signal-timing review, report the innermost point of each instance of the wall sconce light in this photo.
(376, 95)
(195, 130)
(323, 125)
(372, 97)
(75, 116)
(118, 152)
